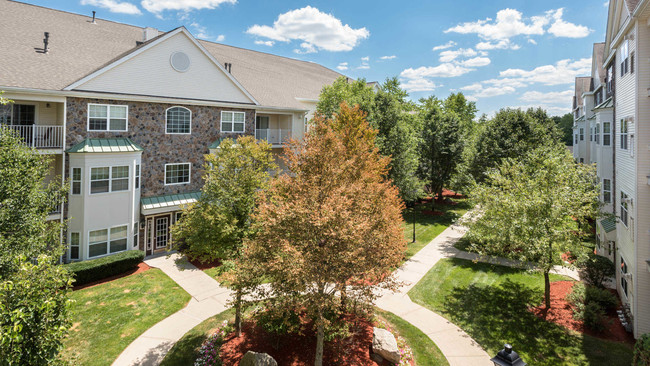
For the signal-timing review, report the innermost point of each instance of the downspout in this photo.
(63, 206)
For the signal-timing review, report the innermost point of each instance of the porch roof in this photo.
(608, 224)
(167, 203)
(606, 104)
(105, 146)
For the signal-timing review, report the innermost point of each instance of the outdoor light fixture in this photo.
(507, 357)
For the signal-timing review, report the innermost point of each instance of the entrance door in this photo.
(162, 232)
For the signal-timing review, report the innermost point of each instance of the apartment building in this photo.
(128, 113)
(619, 142)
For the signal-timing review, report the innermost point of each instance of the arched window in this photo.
(179, 120)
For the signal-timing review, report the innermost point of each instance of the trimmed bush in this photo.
(100, 268)
(642, 351)
(594, 316)
(595, 269)
(582, 295)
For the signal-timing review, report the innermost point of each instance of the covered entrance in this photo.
(160, 213)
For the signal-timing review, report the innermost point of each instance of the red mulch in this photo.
(562, 313)
(141, 268)
(295, 350)
(205, 265)
(432, 213)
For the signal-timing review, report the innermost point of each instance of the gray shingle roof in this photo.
(77, 48)
(583, 84)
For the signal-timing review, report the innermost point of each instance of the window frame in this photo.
(607, 192)
(624, 283)
(109, 240)
(110, 179)
(625, 215)
(189, 174)
(232, 122)
(582, 134)
(136, 177)
(136, 234)
(78, 246)
(167, 121)
(108, 117)
(625, 55)
(608, 134)
(597, 133)
(74, 181)
(625, 133)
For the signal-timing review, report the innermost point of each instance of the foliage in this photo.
(593, 316)
(406, 353)
(209, 352)
(642, 351)
(595, 269)
(531, 209)
(352, 92)
(33, 314)
(107, 317)
(492, 304)
(333, 224)
(511, 133)
(104, 267)
(581, 294)
(565, 126)
(216, 226)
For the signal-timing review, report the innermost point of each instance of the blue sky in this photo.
(499, 53)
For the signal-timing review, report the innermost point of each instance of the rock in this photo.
(385, 345)
(377, 358)
(257, 359)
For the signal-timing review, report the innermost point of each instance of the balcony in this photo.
(273, 136)
(38, 136)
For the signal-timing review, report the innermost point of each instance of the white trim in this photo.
(178, 133)
(110, 179)
(233, 121)
(72, 181)
(189, 176)
(108, 117)
(79, 245)
(152, 44)
(108, 241)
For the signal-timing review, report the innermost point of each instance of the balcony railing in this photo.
(38, 136)
(273, 136)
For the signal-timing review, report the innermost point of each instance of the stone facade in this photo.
(146, 127)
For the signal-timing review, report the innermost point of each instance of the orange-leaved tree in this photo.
(334, 222)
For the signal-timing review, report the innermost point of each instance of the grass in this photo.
(185, 351)
(491, 304)
(428, 227)
(108, 317)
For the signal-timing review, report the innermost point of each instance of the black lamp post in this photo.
(507, 357)
(413, 218)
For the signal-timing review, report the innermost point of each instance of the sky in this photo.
(499, 53)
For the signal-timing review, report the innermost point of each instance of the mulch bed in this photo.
(562, 313)
(295, 350)
(141, 268)
(204, 265)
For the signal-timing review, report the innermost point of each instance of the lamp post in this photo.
(412, 204)
(507, 357)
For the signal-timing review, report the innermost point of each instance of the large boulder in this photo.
(385, 345)
(257, 359)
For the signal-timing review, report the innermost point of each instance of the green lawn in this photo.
(185, 351)
(491, 304)
(108, 317)
(428, 227)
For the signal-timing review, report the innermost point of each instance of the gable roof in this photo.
(121, 144)
(597, 65)
(78, 48)
(583, 84)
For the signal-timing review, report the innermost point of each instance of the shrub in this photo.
(209, 352)
(100, 268)
(593, 316)
(595, 269)
(582, 295)
(642, 351)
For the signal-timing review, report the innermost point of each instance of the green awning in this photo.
(105, 146)
(169, 202)
(216, 143)
(608, 224)
(606, 104)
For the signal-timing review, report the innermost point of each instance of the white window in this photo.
(177, 173)
(582, 134)
(607, 133)
(104, 117)
(623, 273)
(575, 139)
(233, 121)
(624, 214)
(137, 176)
(178, 120)
(74, 246)
(136, 233)
(607, 190)
(624, 134)
(625, 53)
(76, 181)
(109, 179)
(105, 241)
(597, 134)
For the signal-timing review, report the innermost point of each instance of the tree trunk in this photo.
(320, 337)
(547, 290)
(238, 297)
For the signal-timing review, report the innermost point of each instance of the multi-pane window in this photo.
(624, 214)
(177, 173)
(597, 134)
(136, 233)
(632, 62)
(103, 117)
(179, 120)
(591, 134)
(233, 121)
(137, 176)
(625, 54)
(109, 179)
(624, 134)
(623, 273)
(118, 238)
(74, 245)
(607, 190)
(582, 134)
(76, 181)
(575, 138)
(101, 243)
(607, 133)
(610, 79)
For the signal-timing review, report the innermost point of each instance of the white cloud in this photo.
(475, 62)
(367, 58)
(508, 23)
(553, 110)
(473, 87)
(265, 43)
(388, 57)
(364, 66)
(220, 38)
(449, 44)
(317, 30)
(480, 91)
(563, 72)
(114, 6)
(503, 44)
(419, 85)
(515, 83)
(158, 6)
(446, 70)
(606, 4)
(563, 97)
(447, 56)
(532, 41)
(342, 66)
(561, 28)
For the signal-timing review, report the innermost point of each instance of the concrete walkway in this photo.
(208, 299)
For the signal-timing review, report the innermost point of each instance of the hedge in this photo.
(100, 268)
